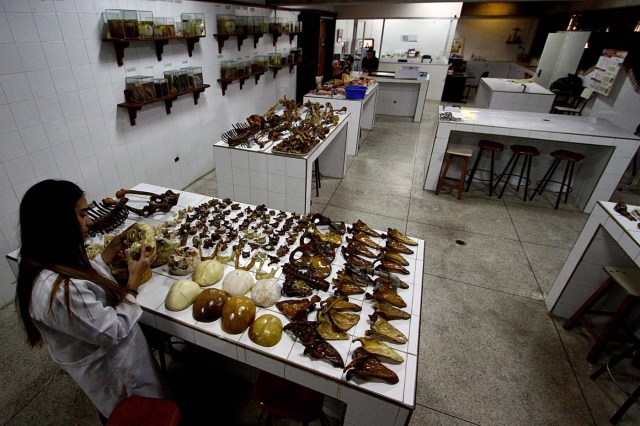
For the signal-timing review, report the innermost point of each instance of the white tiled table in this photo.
(607, 239)
(505, 94)
(367, 403)
(363, 113)
(402, 97)
(607, 148)
(280, 181)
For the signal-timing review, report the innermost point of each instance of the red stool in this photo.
(571, 158)
(284, 399)
(143, 411)
(526, 151)
(493, 147)
(629, 280)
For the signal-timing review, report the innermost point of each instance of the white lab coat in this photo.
(102, 348)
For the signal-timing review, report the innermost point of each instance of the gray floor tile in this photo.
(210, 176)
(555, 228)
(328, 188)
(66, 399)
(374, 221)
(484, 260)
(381, 170)
(204, 186)
(493, 358)
(372, 197)
(317, 207)
(602, 395)
(398, 138)
(546, 263)
(471, 214)
(426, 416)
(25, 371)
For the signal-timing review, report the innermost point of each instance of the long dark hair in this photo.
(51, 239)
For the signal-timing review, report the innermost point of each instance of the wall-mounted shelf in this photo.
(225, 82)
(290, 34)
(275, 69)
(221, 38)
(122, 43)
(133, 106)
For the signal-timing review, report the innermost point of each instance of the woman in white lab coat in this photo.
(74, 305)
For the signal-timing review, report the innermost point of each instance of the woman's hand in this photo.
(114, 247)
(138, 267)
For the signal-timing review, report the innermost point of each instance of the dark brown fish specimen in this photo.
(384, 295)
(344, 320)
(363, 238)
(389, 312)
(382, 328)
(309, 277)
(360, 249)
(344, 288)
(363, 227)
(388, 266)
(324, 350)
(393, 256)
(327, 331)
(296, 288)
(379, 348)
(398, 236)
(355, 260)
(368, 367)
(303, 330)
(341, 304)
(388, 282)
(297, 310)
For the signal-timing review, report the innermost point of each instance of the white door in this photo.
(549, 59)
(572, 51)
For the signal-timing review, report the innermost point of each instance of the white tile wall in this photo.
(59, 86)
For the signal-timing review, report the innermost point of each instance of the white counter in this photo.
(367, 402)
(507, 94)
(402, 97)
(437, 74)
(280, 181)
(607, 148)
(362, 113)
(607, 239)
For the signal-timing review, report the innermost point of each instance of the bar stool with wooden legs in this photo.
(629, 280)
(526, 151)
(571, 158)
(493, 147)
(452, 182)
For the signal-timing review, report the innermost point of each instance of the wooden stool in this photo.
(316, 176)
(143, 411)
(457, 183)
(572, 158)
(284, 399)
(629, 280)
(526, 151)
(488, 146)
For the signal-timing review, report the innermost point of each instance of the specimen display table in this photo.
(607, 239)
(512, 95)
(367, 402)
(403, 97)
(607, 148)
(280, 181)
(363, 113)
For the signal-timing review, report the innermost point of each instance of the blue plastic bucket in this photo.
(355, 92)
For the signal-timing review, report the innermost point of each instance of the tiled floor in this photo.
(490, 352)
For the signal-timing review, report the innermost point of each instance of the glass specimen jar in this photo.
(193, 24)
(161, 87)
(284, 59)
(145, 24)
(179, 29)
(228, 70)
(275, 25)
(242, 25)
(274, 59)
(172, 81)
(226, 24)
(260, 63)
(130, 23)
(248, 67)
(183, 80)
(140, 88)
(194, 75)
(159, 27)
(114, 23)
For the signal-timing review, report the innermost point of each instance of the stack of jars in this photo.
(134, 24)
(140, 88)
(260, 63)
(228, 70)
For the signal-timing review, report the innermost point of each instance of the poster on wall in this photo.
(456, 46)
(606, 70)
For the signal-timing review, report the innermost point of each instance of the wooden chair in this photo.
(463, 154)
(287, 400)
(578, 107)
(143, 411)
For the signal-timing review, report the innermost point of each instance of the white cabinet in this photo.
(561, 55)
